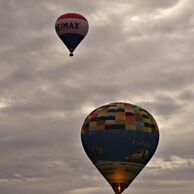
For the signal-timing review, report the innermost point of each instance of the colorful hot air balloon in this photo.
(71, 29)
(119, 139)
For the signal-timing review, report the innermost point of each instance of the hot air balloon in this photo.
(71, 29)
(120, 139)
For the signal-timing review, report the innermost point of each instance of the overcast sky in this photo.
(136, 51)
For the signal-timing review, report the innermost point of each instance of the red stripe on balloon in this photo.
(72, 15)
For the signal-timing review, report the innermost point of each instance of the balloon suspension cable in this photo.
(71, 54)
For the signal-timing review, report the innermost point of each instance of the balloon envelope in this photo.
(71, 29)
(119, 139)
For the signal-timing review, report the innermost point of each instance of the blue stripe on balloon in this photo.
(71, 40)
(117, 145)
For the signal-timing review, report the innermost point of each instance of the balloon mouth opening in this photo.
(119, 187)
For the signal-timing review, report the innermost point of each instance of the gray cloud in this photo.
(138, 51)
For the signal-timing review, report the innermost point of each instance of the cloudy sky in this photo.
(136, 51)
